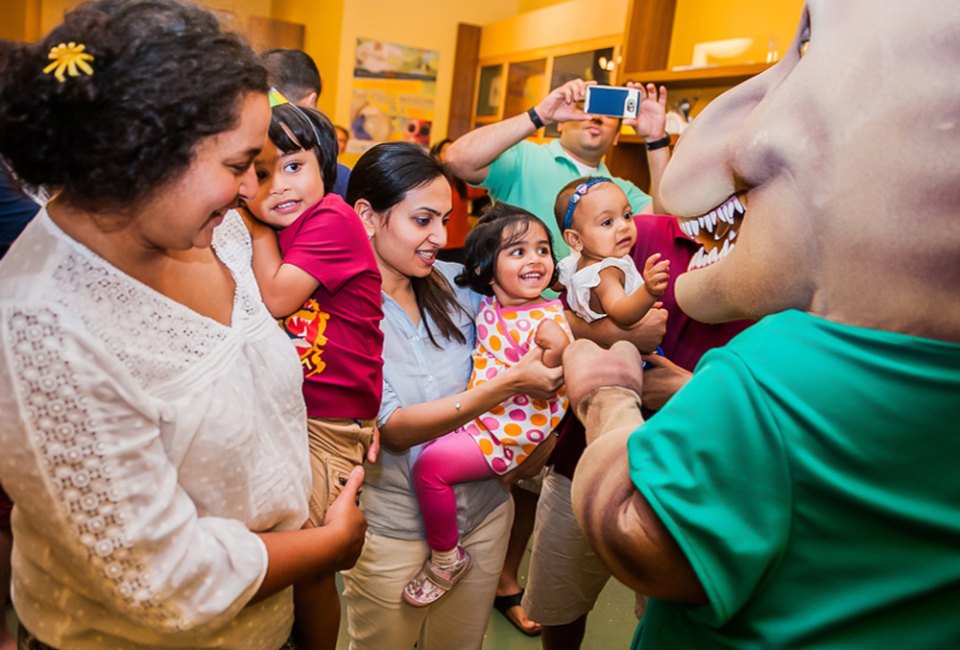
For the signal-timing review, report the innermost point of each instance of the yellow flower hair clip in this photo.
(67, 57)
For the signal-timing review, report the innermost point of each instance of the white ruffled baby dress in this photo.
(580, 283)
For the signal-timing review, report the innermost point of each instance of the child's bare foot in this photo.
(551, 338)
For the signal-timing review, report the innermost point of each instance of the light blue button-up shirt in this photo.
(414, 371)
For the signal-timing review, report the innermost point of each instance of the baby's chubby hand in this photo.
(656, 274)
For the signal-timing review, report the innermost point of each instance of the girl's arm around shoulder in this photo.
(284, 287)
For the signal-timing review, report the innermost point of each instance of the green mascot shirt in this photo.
(810, 471)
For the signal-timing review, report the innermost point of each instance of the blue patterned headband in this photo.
(578, 194)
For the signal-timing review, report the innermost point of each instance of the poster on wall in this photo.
(393, 94)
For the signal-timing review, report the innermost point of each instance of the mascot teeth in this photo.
(720, 223)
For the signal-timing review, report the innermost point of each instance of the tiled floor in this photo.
(609, 627)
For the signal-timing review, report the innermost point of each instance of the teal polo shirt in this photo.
(808, 471)
(531, 175)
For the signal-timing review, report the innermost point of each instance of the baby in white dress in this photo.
(601, 279)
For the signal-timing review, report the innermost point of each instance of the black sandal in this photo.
(504, 604)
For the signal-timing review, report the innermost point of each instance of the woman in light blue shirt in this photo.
(403, 198)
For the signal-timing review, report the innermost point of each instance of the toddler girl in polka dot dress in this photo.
(508, 257)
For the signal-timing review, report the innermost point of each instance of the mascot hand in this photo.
(588, 367)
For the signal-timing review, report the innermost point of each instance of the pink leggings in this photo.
(453, 458)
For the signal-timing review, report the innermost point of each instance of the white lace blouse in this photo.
(142, 443)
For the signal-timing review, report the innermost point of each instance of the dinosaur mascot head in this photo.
(846, 158)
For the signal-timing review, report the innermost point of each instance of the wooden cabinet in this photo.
(509, 85)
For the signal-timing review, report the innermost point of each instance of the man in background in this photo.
(343, 137)
(296, 76)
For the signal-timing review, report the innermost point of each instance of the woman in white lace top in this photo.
(153, 430)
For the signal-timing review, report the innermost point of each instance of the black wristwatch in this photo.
(537, 122)
(659, 143)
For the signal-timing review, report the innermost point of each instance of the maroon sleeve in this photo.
(571, 441)
(331, 248)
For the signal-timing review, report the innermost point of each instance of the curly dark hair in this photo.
(500, 227)
(165, 76)
(293, 128)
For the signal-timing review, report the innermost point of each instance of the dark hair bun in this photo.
(165, 76)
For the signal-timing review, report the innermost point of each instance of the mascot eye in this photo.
(804, 41)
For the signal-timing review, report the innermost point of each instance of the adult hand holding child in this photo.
(345, 517)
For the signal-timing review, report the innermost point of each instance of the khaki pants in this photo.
(566, 576)
(377, 617)
(336, 447)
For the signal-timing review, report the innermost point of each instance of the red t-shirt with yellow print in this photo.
(337, 331)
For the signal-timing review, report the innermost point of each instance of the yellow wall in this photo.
(548, 23)
(14, 18)
(566, 22)
(322, 35)
(29, 20)
(51, 13)
(709, 20)
(428, 24)
(322, 21)
(531, 5)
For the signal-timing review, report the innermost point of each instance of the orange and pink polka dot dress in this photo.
(510, 431)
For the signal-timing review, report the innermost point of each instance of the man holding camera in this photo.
(499, 158)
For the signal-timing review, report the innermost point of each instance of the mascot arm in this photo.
(616, 519)
(604, 388)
